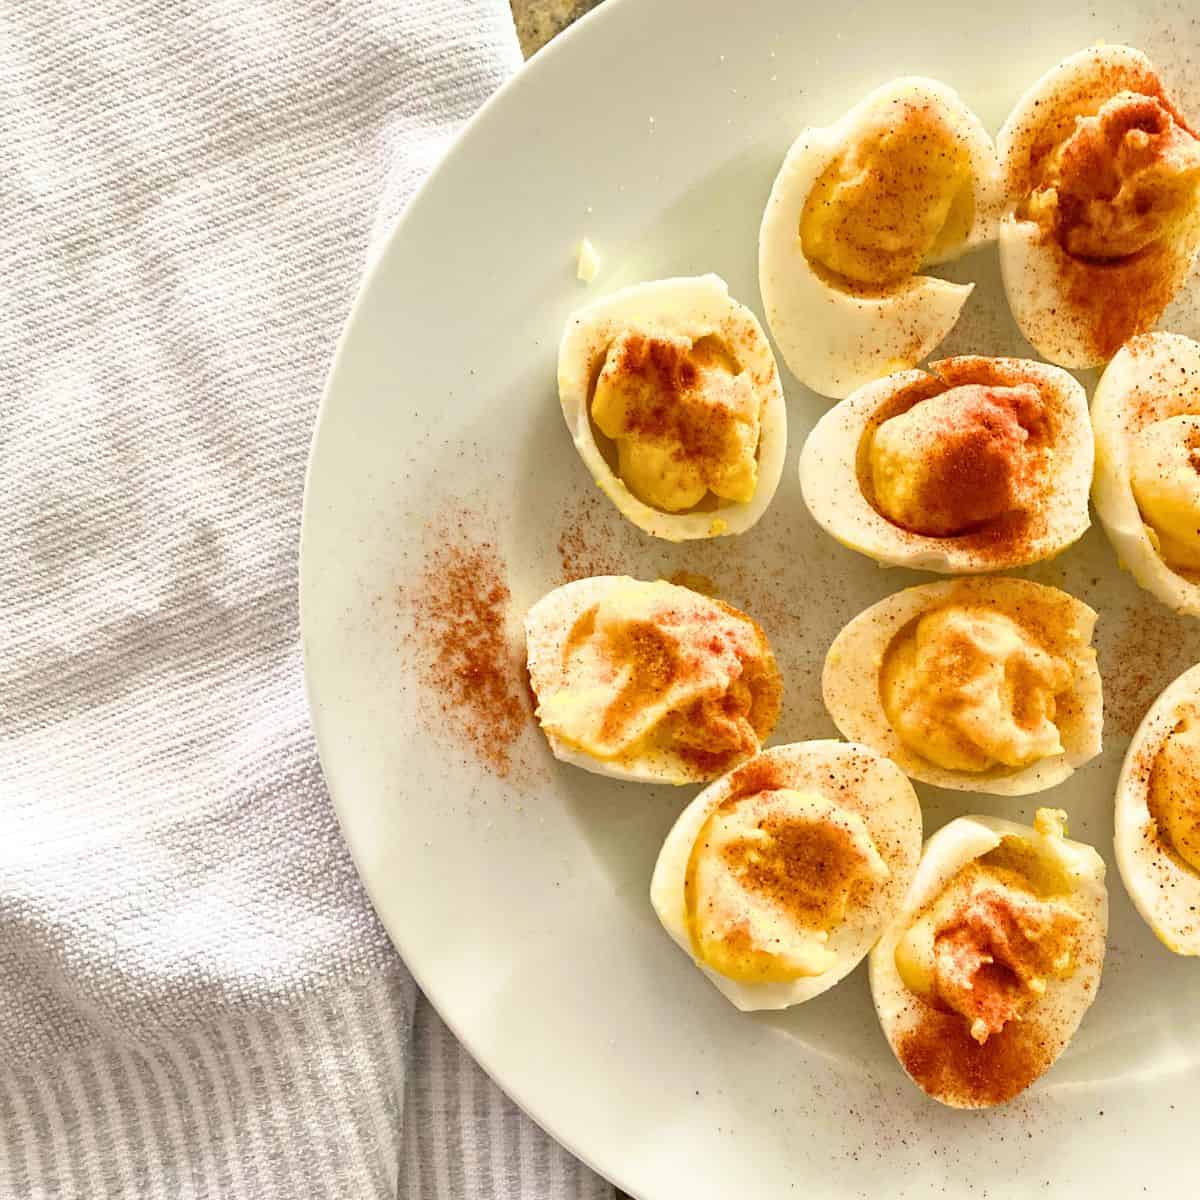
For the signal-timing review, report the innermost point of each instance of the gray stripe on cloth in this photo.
(521, 1162)
(203, 1056)
(192, 1079)
(61, 1112)
(59, 1135)
(116, 1172)
(106, 1072)
(286, 1037)
(373, 1156)
(248, 1122)
(126, 1068)
(200, 1162)
(270, 1103)
(387, 1060)
(14, 1163)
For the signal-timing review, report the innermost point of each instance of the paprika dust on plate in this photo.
(465, 658)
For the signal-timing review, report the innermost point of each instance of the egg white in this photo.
(850, 684)
(945, 853)
(885, 801)
(547, 625)
(833, 341)
(1031, 262)
(1156, 374)
(1163, 890)
(684, 307)
(829, 475)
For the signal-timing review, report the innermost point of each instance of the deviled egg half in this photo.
(649, 681)
(975, 465)
(983, 977)
(976, 684)
(1146, 417)
(778, 878)
(673, 400)
(1158, 816)
(906, 179)
(1103, 176)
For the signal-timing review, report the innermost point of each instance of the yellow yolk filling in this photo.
(685, 421)
(769, 876)
(1124, 179)
(897, 196)
(988, 946)
(956, 460)
(654, 667)
(1174, 798)
(969, 689)
(1164, 471)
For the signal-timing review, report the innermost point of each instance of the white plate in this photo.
(521, 903)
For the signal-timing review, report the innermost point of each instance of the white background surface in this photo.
(520, 904)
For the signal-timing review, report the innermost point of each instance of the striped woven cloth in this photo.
(195, 997)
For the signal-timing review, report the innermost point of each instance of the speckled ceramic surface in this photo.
(538, 21)
(516, 887)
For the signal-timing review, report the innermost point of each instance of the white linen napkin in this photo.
(196, 999)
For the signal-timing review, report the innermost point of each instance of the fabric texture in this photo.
(196, 999)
